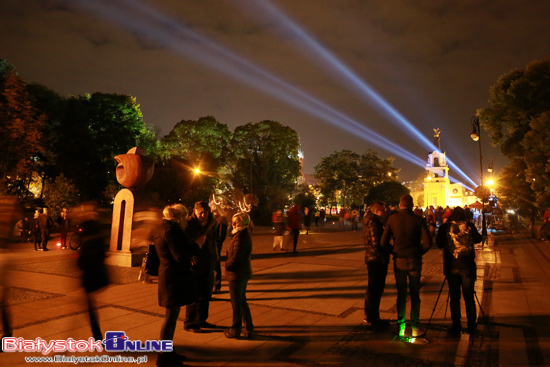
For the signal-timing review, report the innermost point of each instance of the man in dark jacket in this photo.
(200, 224)
(457, 238)
(411, 240)
(376, 259)
(45, 224)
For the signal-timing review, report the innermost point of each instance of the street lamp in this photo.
(476, 136)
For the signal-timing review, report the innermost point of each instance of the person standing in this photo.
(35, 229)
(295, 224)
(238, 271)
(411, 240)
(220, 233)
(322, 216)
(45, 224)
(279, 225)
(307, 218)
(176, 285)
(377, 260)
(63, 222)
(457, 238)
(200, 224)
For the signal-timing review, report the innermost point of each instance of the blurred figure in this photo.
(64, 224)
(200, 225)
(322, 216)
(354, 219)
(91, 259)
(10, 213)
(238, 271)
(279, 225)
(295, 224)
(177, 287)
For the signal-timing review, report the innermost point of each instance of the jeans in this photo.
(241, 311)
(464, 278)
(377, 272)
(411, 270)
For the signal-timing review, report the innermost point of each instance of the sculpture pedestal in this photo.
(126, 259)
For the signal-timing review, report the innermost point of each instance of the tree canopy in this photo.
(262, 159)
(517, 119)
(352, 175)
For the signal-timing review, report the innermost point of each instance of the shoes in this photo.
(46, 249)
(401, 329)
(248, 334)
(207, 325)
(230, 334)
(455, 329)
(194, 329)
(417, 331)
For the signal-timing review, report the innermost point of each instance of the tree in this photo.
(352, 175)
(388, 192)
(60, 193)
(95, 128)
(262, 158)
(517, 118)
(189, 159)
(20, 132)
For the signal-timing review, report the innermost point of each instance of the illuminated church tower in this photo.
(437, 184)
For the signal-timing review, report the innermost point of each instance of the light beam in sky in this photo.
(315, 51)
(148, 23)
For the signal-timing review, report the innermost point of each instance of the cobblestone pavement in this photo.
(307, 308)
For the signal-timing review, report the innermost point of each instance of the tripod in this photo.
(448, 295)
(436, 301)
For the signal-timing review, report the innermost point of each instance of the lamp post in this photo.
(476, 136)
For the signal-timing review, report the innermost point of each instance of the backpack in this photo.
(459, 240)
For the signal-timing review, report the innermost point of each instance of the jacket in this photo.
(372, 233)
(176, 285)
(410, 234)
(239, 250)
(455, 257)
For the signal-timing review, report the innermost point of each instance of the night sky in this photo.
(431, 61)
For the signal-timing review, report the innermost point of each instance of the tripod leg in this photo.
(479, 304)
(437, 300)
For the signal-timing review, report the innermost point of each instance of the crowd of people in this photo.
(406, 236)
(188, 248)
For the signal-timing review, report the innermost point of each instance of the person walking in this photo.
(377, 260)
(457, 238)
(238, 271)
(295, 224)
(176, 286)
(411, 240)
(91, 261)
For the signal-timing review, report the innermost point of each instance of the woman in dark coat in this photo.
(238, 272)
(176, 286)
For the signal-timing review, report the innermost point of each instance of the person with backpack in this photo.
(457, 237)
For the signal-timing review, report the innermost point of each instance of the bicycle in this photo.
(74, 241)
